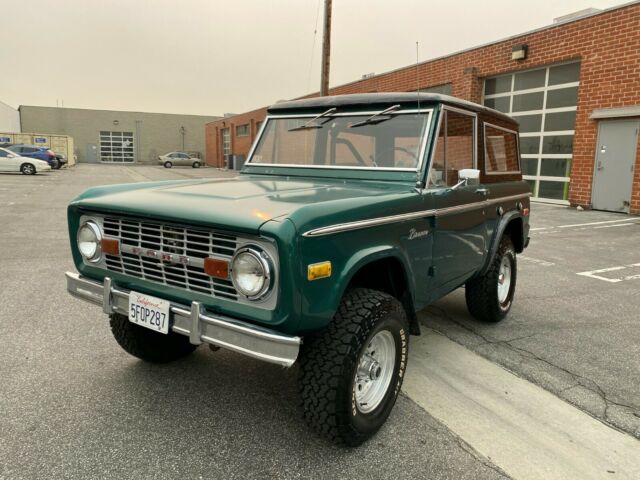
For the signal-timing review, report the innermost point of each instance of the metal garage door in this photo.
(116, 147)
(544, 101)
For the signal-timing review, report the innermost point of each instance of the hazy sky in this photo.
(215, 56)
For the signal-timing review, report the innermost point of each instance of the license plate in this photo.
(149, 312)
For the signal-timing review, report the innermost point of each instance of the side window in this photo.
(454, 149)
(3, 154)
(501, 150)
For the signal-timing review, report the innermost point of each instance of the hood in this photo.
(242, 203)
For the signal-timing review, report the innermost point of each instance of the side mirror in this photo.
(467, 177)
(471, 176)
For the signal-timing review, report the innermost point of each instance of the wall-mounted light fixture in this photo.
(519, 52)
(116, 122)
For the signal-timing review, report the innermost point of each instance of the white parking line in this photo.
(523, 429)
(594, 273)
(633, 219)
(537, 261)
(616, 225)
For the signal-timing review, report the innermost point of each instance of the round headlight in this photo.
(251, 273)
(89, 238)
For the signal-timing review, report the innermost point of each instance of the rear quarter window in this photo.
(501, 150)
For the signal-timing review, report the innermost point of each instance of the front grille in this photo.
(187, 241)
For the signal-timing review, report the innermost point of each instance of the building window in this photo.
(226, 142)
(444, 89)
(242, 130)
(544, 102)
(116, 147)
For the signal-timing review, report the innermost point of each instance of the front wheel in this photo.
(490, 296)
(27, 169)
(149, 345)
(196, 165)
(351, 374)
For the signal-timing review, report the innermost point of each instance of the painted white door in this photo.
(615, 158)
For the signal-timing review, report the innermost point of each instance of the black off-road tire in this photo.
(481, 293)
(329, 361)
(148, 345)
(196, 165)
(168, 164)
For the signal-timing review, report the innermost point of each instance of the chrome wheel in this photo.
(28, 169)
(504, 279)
(375, 371)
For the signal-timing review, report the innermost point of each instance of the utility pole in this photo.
(326, 49)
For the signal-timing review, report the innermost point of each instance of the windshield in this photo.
(372, 140)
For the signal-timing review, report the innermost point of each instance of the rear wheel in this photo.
(490, 296)
(28, 169)
(168, 164)
(351, 374)
(148, 345)
(196, 165)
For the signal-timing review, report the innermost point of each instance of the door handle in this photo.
(482, 191)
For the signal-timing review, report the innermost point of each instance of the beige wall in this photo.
(154, 133)
(9, 119)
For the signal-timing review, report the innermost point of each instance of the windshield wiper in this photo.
(310, 123)
(377, 117)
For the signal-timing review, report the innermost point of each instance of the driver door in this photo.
(460, 232)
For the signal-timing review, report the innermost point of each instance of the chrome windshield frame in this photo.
(422, 150)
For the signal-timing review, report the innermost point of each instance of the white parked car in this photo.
(179, 158)
(12, 162)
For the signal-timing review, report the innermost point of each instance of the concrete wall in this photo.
(9, 119)
(154, 133)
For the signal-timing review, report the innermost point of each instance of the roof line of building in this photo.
(6, 105)
(494, 42)
(459, 52)
(121, 111)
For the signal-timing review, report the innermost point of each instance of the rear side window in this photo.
(501, 150)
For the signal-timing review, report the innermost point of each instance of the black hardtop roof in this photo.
(382, 100)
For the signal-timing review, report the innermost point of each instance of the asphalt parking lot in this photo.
(74, 405)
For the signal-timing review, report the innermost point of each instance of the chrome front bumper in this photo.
(195, 323)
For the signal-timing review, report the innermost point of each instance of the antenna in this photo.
(418, 71)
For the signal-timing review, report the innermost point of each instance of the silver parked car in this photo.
(179, 158)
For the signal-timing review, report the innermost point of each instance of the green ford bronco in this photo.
(351, 214)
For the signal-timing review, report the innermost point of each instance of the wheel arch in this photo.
(386, 270)
(511, 224)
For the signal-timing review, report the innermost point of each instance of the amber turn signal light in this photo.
(216, 268)
(316, 271)
(110, 246)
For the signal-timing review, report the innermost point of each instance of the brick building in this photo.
(576, 94)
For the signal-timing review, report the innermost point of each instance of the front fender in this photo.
(321, 298)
